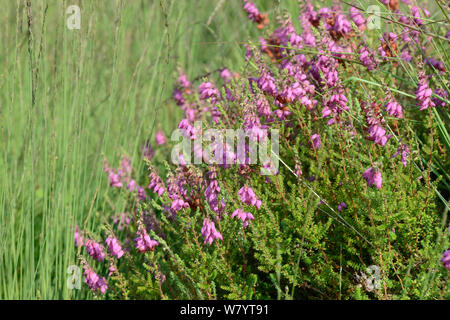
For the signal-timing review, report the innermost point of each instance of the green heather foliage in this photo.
(95, 97)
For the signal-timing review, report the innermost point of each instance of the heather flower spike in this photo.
(248, 196)
(255, 15)
(160, 138)
(373, 176)
(403, 151)
(209, 232)
(315, 138)
(342, 206)
(423, 93)
(114, 247)
(156, 183)
(446, 259)
(94, 281)
(78, 237)
(143, 243)
(242, 215)
(95, 250)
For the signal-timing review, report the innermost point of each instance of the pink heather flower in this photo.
(282, 113)
(244, 216)
(114, 247)
(111, 269)
(209, 231)
(446, 259)
(255, 15)
(248, 52)
(179, 204)
(131, 185)
(212, 192)
(263, 107)
(143, 243)
(391, 4)
(325, 12)
(376, 131)
(141, 194)
(253, 126)
(248, 196)
(436, 64)
(327, 66)
(95, 250)
(160, 138)
(183, 81)
(388, 41)
(252, 10)
(416, 15)
(341, 24)
(357, 18)
(187, 127)
(403, 151)
(367, 58)
(298, 169)
(310, 14)
(175, 187)
(147, 150)
(300, 90)
(156, 184)
(377, 134)
(225, 75)
(315, 138)
(342, 206)
(373, 176)
(266, 83)
(405, 55)
(307, 37)
(334, 106)
(177, 95)
(125, 168)
(287, 34)
(94, 281)
(423, 93)
(268, 165)
(207, 90)
(394, 109)
(441, 93)
(160, 277)
(78, 237)
(114, 180)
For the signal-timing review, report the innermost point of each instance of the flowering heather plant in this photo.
(346, 104)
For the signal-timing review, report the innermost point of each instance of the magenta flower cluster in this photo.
(423, 93)
(248, 196)
(94, 281)
(143, 242)
(114, 247)
(446, 259)
(373, 177)
(209, 231)
(242, 215)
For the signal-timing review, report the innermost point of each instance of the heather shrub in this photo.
(356, 207)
